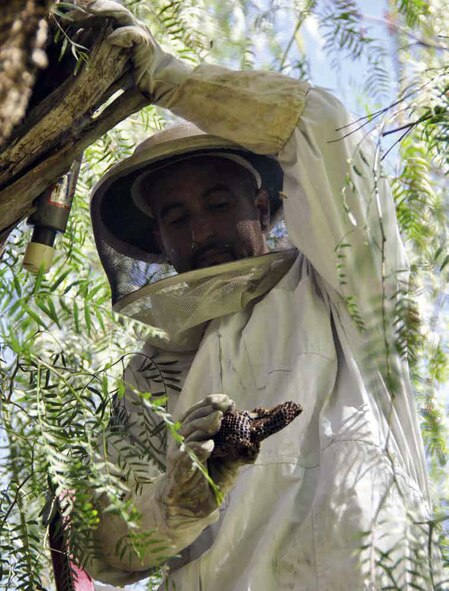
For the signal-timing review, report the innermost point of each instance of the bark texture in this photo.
(23, 33)
(66, 112)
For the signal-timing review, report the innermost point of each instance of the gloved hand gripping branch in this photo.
(156, 73)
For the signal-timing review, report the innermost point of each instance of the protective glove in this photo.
(185, 490)
(156, 73)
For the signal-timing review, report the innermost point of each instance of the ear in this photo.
(262, 202)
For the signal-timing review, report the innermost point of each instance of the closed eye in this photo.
(174, 214)
(177, 220)
(219, 205)
(218, 198)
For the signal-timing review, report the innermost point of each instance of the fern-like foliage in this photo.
(345, 33)
(62, 352)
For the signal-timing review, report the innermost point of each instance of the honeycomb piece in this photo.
(241, 431)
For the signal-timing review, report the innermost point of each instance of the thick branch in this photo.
(64, 123)
(16, 199)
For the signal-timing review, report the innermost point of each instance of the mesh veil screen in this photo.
(183, 302)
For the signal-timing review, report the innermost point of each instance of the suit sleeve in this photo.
(339, 209)
(134, 449)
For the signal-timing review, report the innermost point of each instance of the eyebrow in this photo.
(166, 209)
(217, 187)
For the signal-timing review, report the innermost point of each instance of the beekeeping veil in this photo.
(143, 284)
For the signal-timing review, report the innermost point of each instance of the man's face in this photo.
(208, 211)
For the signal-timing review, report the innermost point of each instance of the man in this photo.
(337, 500)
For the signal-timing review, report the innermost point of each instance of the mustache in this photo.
(201, 250)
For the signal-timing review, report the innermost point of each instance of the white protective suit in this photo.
(339, 499)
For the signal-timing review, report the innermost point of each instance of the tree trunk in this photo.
(65, 101)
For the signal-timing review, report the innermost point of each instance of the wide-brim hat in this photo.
(126, 227)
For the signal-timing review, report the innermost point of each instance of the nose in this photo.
(201, 229)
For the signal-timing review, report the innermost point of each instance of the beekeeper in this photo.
(339, 499)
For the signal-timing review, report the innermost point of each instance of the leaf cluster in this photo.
(62, 351)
